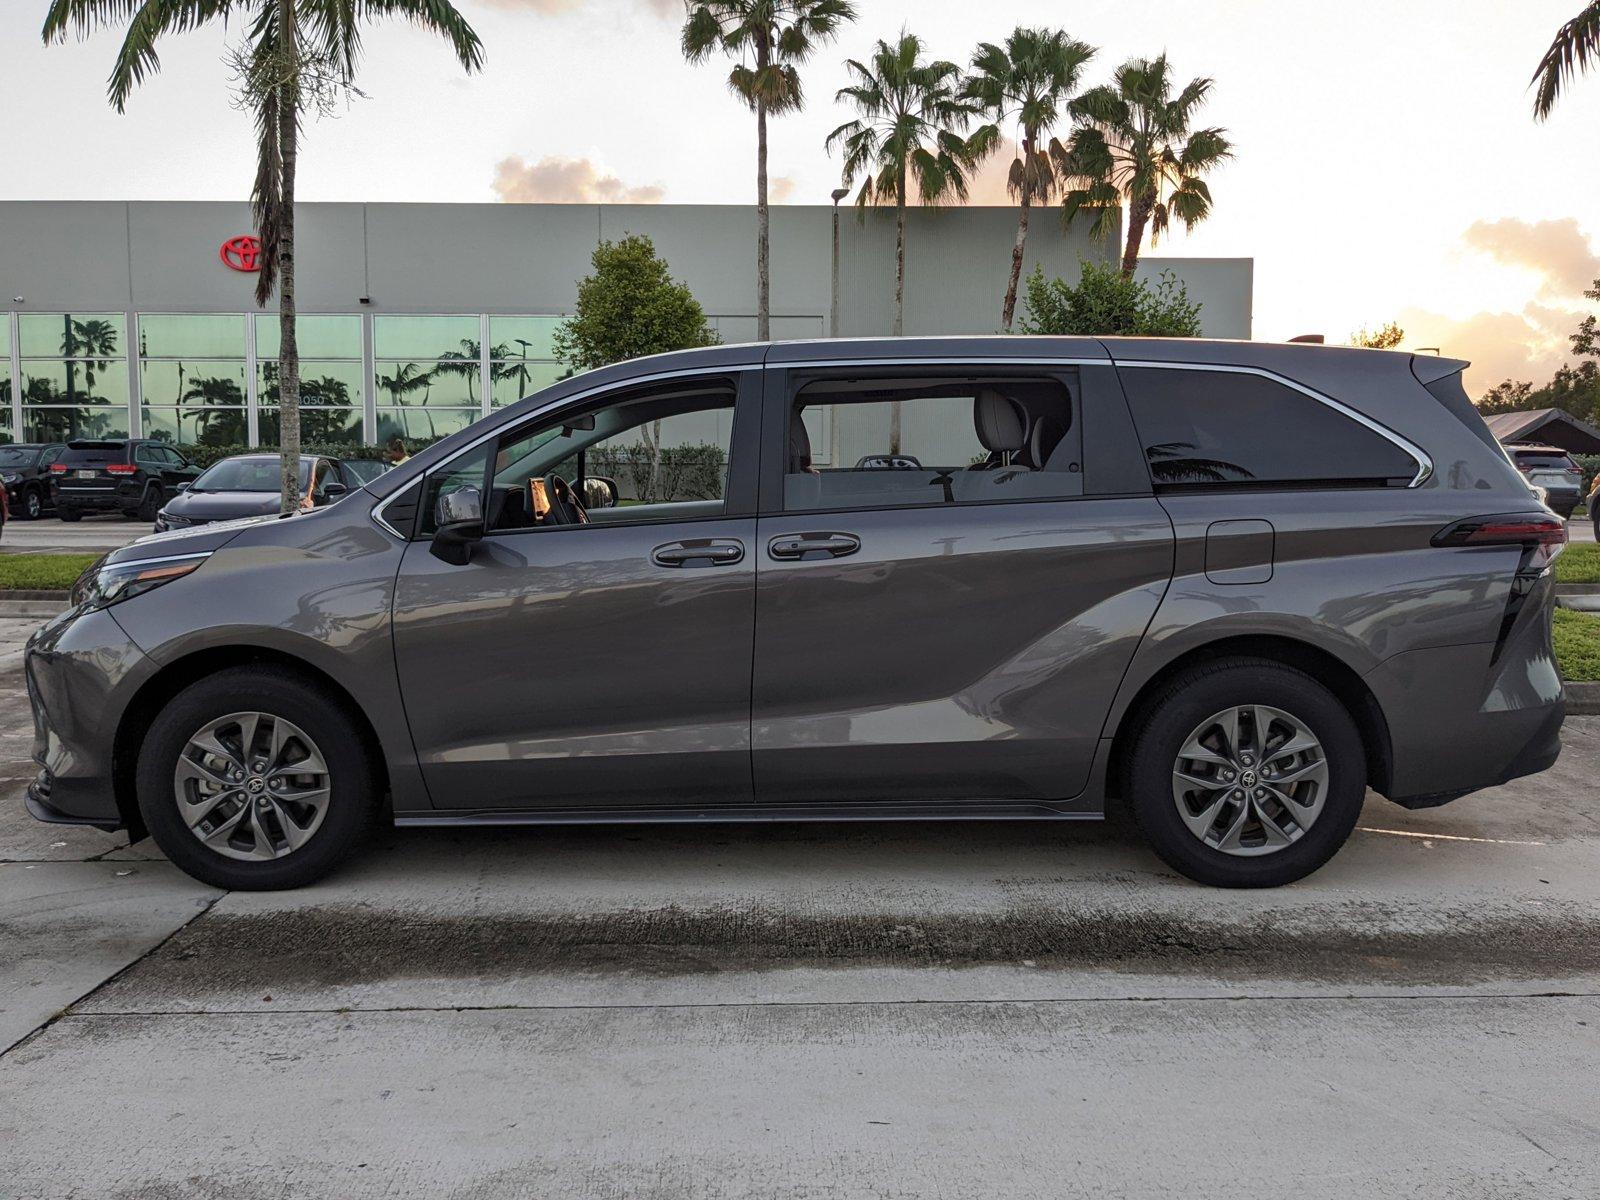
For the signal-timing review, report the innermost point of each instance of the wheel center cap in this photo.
(1247, 779)
(255, 784)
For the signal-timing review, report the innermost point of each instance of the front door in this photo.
(595, 659)
(944, 608)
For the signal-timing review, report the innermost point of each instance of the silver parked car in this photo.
(1230, 586)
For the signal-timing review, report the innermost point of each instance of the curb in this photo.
(1583, 699)
(38, 605)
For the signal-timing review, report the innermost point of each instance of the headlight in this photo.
(166, 520)
(106, 583)
(9, 477)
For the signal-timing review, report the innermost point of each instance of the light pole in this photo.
(833, 313)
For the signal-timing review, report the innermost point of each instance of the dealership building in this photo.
(138, 319)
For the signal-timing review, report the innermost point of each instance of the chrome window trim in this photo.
(1417, 453)
(577, 397)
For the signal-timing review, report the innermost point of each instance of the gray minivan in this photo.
(1228, 585)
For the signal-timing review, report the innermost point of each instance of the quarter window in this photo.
(1230, 429)
(877, 442)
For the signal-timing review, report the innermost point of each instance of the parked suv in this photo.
(1229, 586)
(134, 477)
(1550, 468)
(25, 471)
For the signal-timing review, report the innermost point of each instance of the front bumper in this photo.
(82, 670)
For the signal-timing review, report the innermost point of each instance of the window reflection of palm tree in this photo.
(218, 409)
(1170, 462)
(92, 343)
(466, 362)
(408, 379)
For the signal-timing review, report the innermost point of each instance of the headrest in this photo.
(799, 443)
(1043, 439)
(1001, 423)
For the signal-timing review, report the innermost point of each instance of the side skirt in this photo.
(988, 810)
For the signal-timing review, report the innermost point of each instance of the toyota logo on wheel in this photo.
(242, 253)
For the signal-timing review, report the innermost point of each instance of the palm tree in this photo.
(768, 37)
(1134, 143)
(1577, 44)
(1029, 80)
(92, 340)
(298, 50)
(909, 134)
(464, 362)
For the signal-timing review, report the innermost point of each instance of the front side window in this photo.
(1232, 429)
(665, 450)
(877, 442)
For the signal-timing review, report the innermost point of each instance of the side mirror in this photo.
(459, 516)
(600, 491)
(183, 487)
(332, 491)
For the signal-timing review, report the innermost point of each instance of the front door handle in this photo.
(700, 552)
(808, 546)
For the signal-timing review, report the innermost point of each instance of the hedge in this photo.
(206, 455)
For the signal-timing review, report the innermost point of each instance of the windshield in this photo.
(246, 475)
(364, 470)
(17, 456)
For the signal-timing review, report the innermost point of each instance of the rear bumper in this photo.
(1462, 718)
(124, 495)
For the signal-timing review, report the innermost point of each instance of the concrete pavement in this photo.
(980, 1010)
(92, 535)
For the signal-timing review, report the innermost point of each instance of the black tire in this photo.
(68, 514)
(30, 504)
(1183, 704)
(154, 498)
(282, 693)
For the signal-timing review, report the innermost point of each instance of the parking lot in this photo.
(966, 1010)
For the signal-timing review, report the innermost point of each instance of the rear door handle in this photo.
(807, 546)
(700, 552)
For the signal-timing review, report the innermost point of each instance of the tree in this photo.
(1575, 387)
(768, 37)
(1107, 303)
(1386, 337)
(1135, 145)
(297, 55)
(630, 306)
(1576, 45)
(1028, 80)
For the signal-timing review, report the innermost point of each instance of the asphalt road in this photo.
(976, 1010)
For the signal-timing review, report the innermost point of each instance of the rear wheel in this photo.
(150, 505)
(1246, 773)
(32, 504)
(256, 778)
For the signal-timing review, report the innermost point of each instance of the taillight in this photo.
(58, 468)
(1541, 535)
(120, 468)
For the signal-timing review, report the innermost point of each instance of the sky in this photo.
(1387, 168)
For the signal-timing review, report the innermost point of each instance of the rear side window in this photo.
(1225, 429)
(1547, 460)
(95, 454)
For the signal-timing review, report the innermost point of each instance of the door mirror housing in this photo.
(459, 516)
(601, 491)
(333, 491)
(183, 487)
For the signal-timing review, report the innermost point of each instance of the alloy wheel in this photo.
(1250, 780)
(252, 786)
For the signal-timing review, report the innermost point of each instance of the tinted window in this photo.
(17, 456)
(245, 475)
(1229, 429)
(874, 443)
(1549, 460)
(95, 453)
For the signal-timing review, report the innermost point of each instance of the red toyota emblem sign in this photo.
(242, 253)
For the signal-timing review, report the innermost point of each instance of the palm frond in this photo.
(1575, 48)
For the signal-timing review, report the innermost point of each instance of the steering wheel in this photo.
(565, 507)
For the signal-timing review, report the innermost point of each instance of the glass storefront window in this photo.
(320, 383)
(447, 384)
(72, 335)
(425, 337)
(316, 335)
(318, 426)
(65, 424)
(75, 382)
(5, 336)
(514, 380)
(419, 426)
(191, 335)
(523, 337)
(192, 383)
(202, 426)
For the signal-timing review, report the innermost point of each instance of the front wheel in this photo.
(68, 514)
(1246, 773)
(32, 504)
(150, 505)
(256, 778)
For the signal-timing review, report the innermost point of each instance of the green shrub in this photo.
(206, 455)
(683, 473)
(1105, 303)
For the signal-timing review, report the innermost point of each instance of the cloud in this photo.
(552, 8)
(1529, 344)
(1558, 251)
(554, 180)
(780, 188)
